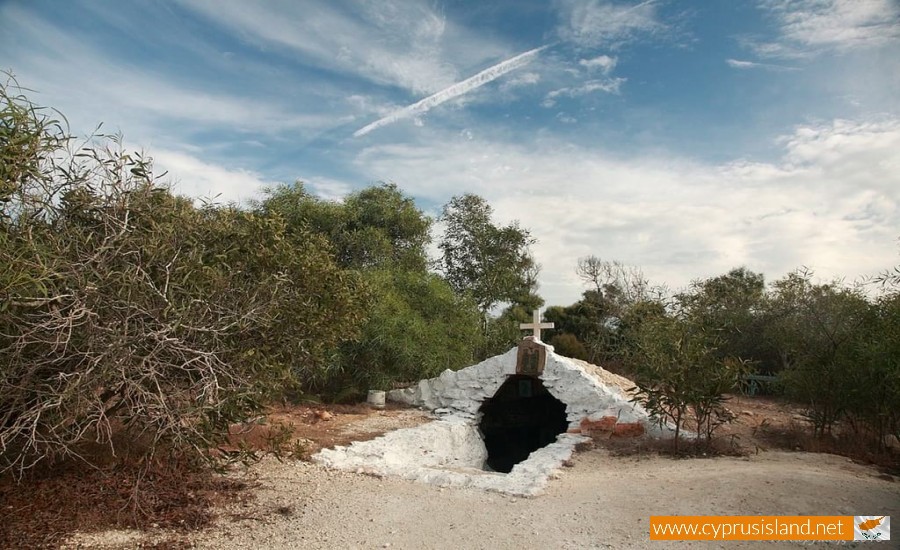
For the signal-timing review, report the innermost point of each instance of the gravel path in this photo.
(599, 502)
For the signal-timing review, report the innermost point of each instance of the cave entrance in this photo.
(520, 418)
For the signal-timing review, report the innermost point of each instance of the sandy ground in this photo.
(599, 502)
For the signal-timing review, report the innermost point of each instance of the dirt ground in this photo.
(601, 500)
(308, 429)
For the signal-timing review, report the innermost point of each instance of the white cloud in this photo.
(396, 43)
(808, 26)
(737, 64)
(197, 178)
(873, 146)
(603, 63)
(367, 106)
(328, 188)
(460, 88)
(601, 23)
(830, 202)
(609, 85)
(115, 92)
(529, 78)
(740, 64)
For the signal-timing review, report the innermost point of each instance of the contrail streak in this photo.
(456, 90)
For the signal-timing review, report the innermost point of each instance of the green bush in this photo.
(416, 328)
(127, 309)
(679, 376)
(816, 330)
(568, 345)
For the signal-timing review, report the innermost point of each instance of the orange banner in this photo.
(751, 527)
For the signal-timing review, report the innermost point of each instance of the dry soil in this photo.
(598, 501)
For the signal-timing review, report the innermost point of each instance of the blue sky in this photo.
(685, 138)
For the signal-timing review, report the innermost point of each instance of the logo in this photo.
(871, 527)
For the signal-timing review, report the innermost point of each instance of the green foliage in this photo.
(889, 278)
(679, 376)
(27, 135)
(311, 304)
(568, 345)
(491, 263)
(502, 332)
(302, 212)
(835, 349)
(874, 392)
(617, 285)
(684, 355)
(125, 308)
(817, 331)
(587, 321)
(385, 227)
(733, 307)
(372, 228)
(415, 325)
(417, 328)
(616, 291)
(631, 324)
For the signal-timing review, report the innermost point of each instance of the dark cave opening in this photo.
(520, 418)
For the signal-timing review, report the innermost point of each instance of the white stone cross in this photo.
(536, 325)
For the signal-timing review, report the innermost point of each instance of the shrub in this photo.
(416, 328)
(680, 379)
(568, 345)
(127, 309)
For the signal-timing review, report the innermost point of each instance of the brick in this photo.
(605, 425)
(628, 429)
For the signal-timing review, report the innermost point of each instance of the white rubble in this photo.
(449, 453)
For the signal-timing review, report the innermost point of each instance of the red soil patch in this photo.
(304, 429)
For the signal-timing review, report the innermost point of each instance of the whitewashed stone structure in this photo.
(451, 452)
(588, 391)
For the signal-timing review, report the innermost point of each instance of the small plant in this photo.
(680, 379)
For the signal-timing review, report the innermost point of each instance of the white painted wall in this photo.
(461, 393)
(450, 451)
